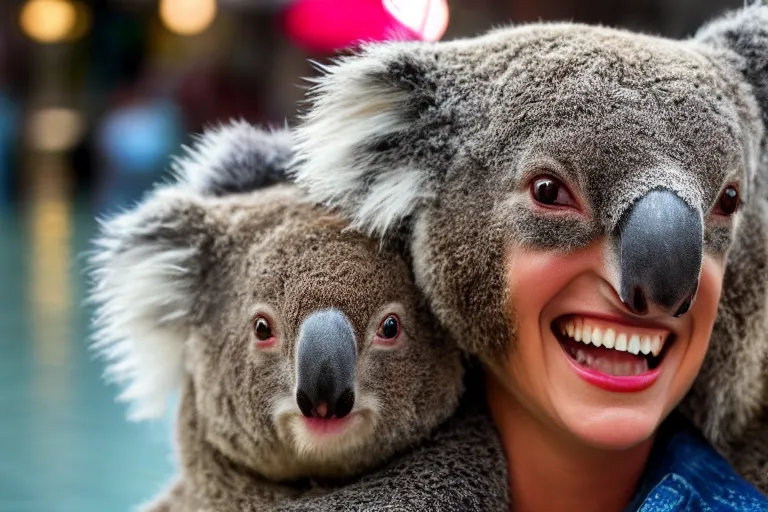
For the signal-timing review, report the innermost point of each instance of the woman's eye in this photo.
(389, 330)
(262, 329)
(550, 192)
(728, 202)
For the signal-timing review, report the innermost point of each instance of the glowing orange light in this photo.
(48, 21)
(187, 17)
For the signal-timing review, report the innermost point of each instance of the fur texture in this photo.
(179, 281)
(146, 269)
(613, 114)
(459, 468)
(235, 157)
(141, 329)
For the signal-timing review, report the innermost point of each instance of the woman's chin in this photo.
(610, 420)
(612, 428)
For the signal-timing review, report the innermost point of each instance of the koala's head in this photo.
(304, 348)
(450, 146)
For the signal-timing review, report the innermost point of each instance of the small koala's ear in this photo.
(374, 138)
(745, 32)
(145, 269)
(235, 158)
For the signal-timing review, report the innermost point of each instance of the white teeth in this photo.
(579, 329)
(609, 338)
(645, 344)
(621, 342)
(656, 343)
(597, 337)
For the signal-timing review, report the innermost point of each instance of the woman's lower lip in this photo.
(625, 384)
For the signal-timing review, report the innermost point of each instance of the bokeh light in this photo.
(428, 19)
(328, 25)
(187, 17)
(49, 21)
(55, 129)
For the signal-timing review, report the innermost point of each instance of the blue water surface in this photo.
(65, 445)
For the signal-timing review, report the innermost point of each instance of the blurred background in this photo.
(95, 98)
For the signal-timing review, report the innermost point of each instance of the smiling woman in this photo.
(589, 370)
(607, 366)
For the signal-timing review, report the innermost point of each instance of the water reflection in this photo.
(50, 288)
(65, 443)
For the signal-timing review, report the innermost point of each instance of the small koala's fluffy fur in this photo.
(235, 157)
(434, 144)
(178, 281)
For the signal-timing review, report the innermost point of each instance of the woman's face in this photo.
(614, 397)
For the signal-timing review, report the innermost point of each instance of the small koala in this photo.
(302, 350)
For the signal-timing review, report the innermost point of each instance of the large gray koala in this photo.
(304, 354)
(432, 144)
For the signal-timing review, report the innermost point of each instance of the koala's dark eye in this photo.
(548, 191)
(390, 327)
(728, 202)
(389, 331)
(262, 329)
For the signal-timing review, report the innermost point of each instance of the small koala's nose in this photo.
(326, 360)
(338, 408)
(660, 245)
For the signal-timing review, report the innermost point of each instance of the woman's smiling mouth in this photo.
(612, 356)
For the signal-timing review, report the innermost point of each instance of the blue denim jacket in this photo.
(685, 473)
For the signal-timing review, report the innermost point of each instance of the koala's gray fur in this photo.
(433, 142)
(178, 281)
(459, 468)
(235, 157)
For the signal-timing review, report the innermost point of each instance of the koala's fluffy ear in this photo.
(377, 138)
(745, 32)
(146, 268)
(235, 157)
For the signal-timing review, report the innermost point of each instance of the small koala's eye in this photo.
(262, 329)
(389, 331)
(728, 202)
(548, 191)
(390, 327)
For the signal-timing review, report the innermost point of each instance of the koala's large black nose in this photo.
(660, 249)
(326, 358)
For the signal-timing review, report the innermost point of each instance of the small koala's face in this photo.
(312, 352)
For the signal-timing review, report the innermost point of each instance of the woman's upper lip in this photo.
(622, 320)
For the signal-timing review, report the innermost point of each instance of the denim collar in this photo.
(685, 473)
